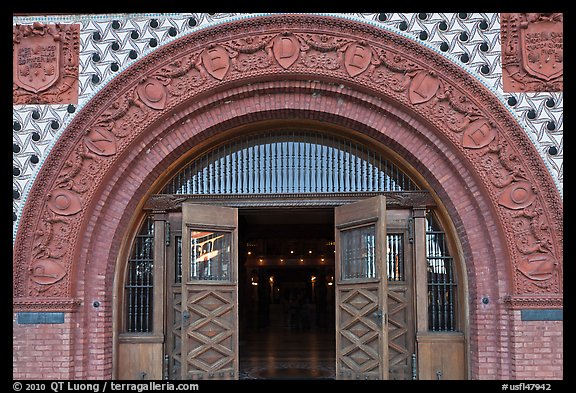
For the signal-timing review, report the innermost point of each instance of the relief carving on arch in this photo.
(306, 45)
(532, 51)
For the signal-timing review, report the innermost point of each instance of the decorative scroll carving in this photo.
(532, 52)
(529, 230)
(387, 64)
(45, 63)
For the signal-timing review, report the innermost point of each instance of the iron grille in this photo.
(178, 261)
(395, 256)
(139, 280)
(289, 161)
(442, 285)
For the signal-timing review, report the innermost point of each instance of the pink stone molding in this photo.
(372, 67)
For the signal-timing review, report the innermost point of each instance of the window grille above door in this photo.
(289, 162)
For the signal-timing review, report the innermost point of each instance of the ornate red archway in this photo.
(447, 125)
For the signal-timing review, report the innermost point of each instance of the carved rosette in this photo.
(45, 63)
(388, 64)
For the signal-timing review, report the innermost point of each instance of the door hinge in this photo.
(411, 230)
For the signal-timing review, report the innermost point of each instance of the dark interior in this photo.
(286, 293)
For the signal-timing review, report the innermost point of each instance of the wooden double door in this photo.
(374, 327)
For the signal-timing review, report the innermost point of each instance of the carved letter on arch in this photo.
(216, 61)
(357, 58)
(423, 87)
(286, 49)
(153, 93)
(367, 60)
(101, 141)
(478, 134)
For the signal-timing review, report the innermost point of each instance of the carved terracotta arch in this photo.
(182, 89)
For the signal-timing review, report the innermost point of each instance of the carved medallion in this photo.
(423, 87)
(517, 195)
(478, 134)
(45, 63)
(64, 202)
(101, 142)
(538, 267)
(153, 93)
(357, 59)
(46, 272)
(286, 50)
(216, 61)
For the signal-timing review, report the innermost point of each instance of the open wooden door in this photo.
(209, 292)
(361, 284)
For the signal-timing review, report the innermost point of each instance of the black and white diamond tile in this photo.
(109, 43)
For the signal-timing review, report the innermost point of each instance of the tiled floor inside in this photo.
(284, 353)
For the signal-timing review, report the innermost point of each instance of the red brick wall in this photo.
(536, 348)
(43, 351)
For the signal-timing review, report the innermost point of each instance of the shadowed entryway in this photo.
(286, 294)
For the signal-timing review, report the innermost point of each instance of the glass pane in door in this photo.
(210, 255)
(358, 253)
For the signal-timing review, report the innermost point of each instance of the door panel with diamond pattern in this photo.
(211, 333)
(361, 312)
(399, 295)
(400, 332)
(210, 293)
